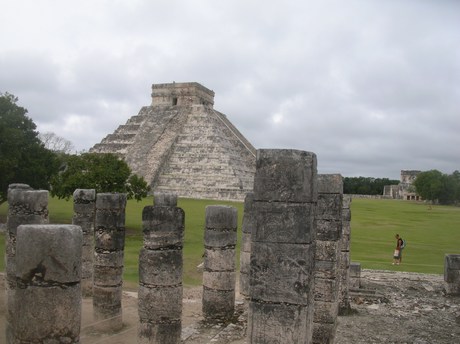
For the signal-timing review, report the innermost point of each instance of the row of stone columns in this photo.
(292, 231)
(44, 265)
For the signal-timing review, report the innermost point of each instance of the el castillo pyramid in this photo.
(181, 144)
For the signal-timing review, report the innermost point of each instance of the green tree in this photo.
(428, 184)
(23, 158)
(102, 172)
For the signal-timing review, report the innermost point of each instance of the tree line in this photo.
(438, 187)
(43, 160)
(366, 185)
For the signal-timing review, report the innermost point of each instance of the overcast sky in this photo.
(372, 87)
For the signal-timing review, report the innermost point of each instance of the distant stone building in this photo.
(404, 190)
(180, 144)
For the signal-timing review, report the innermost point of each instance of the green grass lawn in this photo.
(430, 234)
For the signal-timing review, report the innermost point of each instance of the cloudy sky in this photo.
(371, 86)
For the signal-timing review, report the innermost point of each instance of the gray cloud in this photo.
(372, 87)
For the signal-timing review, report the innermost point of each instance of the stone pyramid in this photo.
(181, 144)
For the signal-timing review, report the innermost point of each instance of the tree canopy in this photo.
(436, 186)
(23, 157)
(102, 172)
(366, 185)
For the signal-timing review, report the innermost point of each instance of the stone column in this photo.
(108, 260)
(160, 271)
(344, 271)
(355, 276)
(84, 208)
(219, 262)
(48, 298)
(452, 274)
(245, 250)
(282, 251)
(25, 206)
(327, 275)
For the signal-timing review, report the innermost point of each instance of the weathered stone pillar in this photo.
(219, 262)
(160, 271)
(344, 299)
(282, 253)
(25, 206)
(355, 276)
(245, 250)
(84, 208)
(327, 271)
(48, 298)
(108, 260)
(452, 274)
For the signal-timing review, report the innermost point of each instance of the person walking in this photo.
(397, 255)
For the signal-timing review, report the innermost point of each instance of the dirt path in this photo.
(391, 307)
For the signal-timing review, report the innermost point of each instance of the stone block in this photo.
(326, 312)
(218, 304)
(248, 216)
(284, 175)
(159, 333)
(219, 238)
(284, 222)
(281, 272)
(13, 222)
(452, 268)
(246, 242)
(344, 260)
(245, 262)
(279, 323)
(107, 298)
(160, 304)
(346, 214)
(48, 254)
(28, 201)
(219, 280)
(111, 201)
(330, 184)
(163, 227)
(329, 207)
(244, 284)
(85, 209)
(109, 258)
(163, 199)
(355, 270)
(220, 217)
(346, 201)
(326, 289)
(328, 230)
(160, 267)
(107, 276)
(324, 333)
(44, 314)
(109, 219)
(327, 251)
(345, 242)
(109, 239)
(84, 196)
(325, 269)
(219, 259)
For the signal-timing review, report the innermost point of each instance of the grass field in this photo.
(430, 232)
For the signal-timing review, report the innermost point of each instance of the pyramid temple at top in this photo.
(180, 144)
